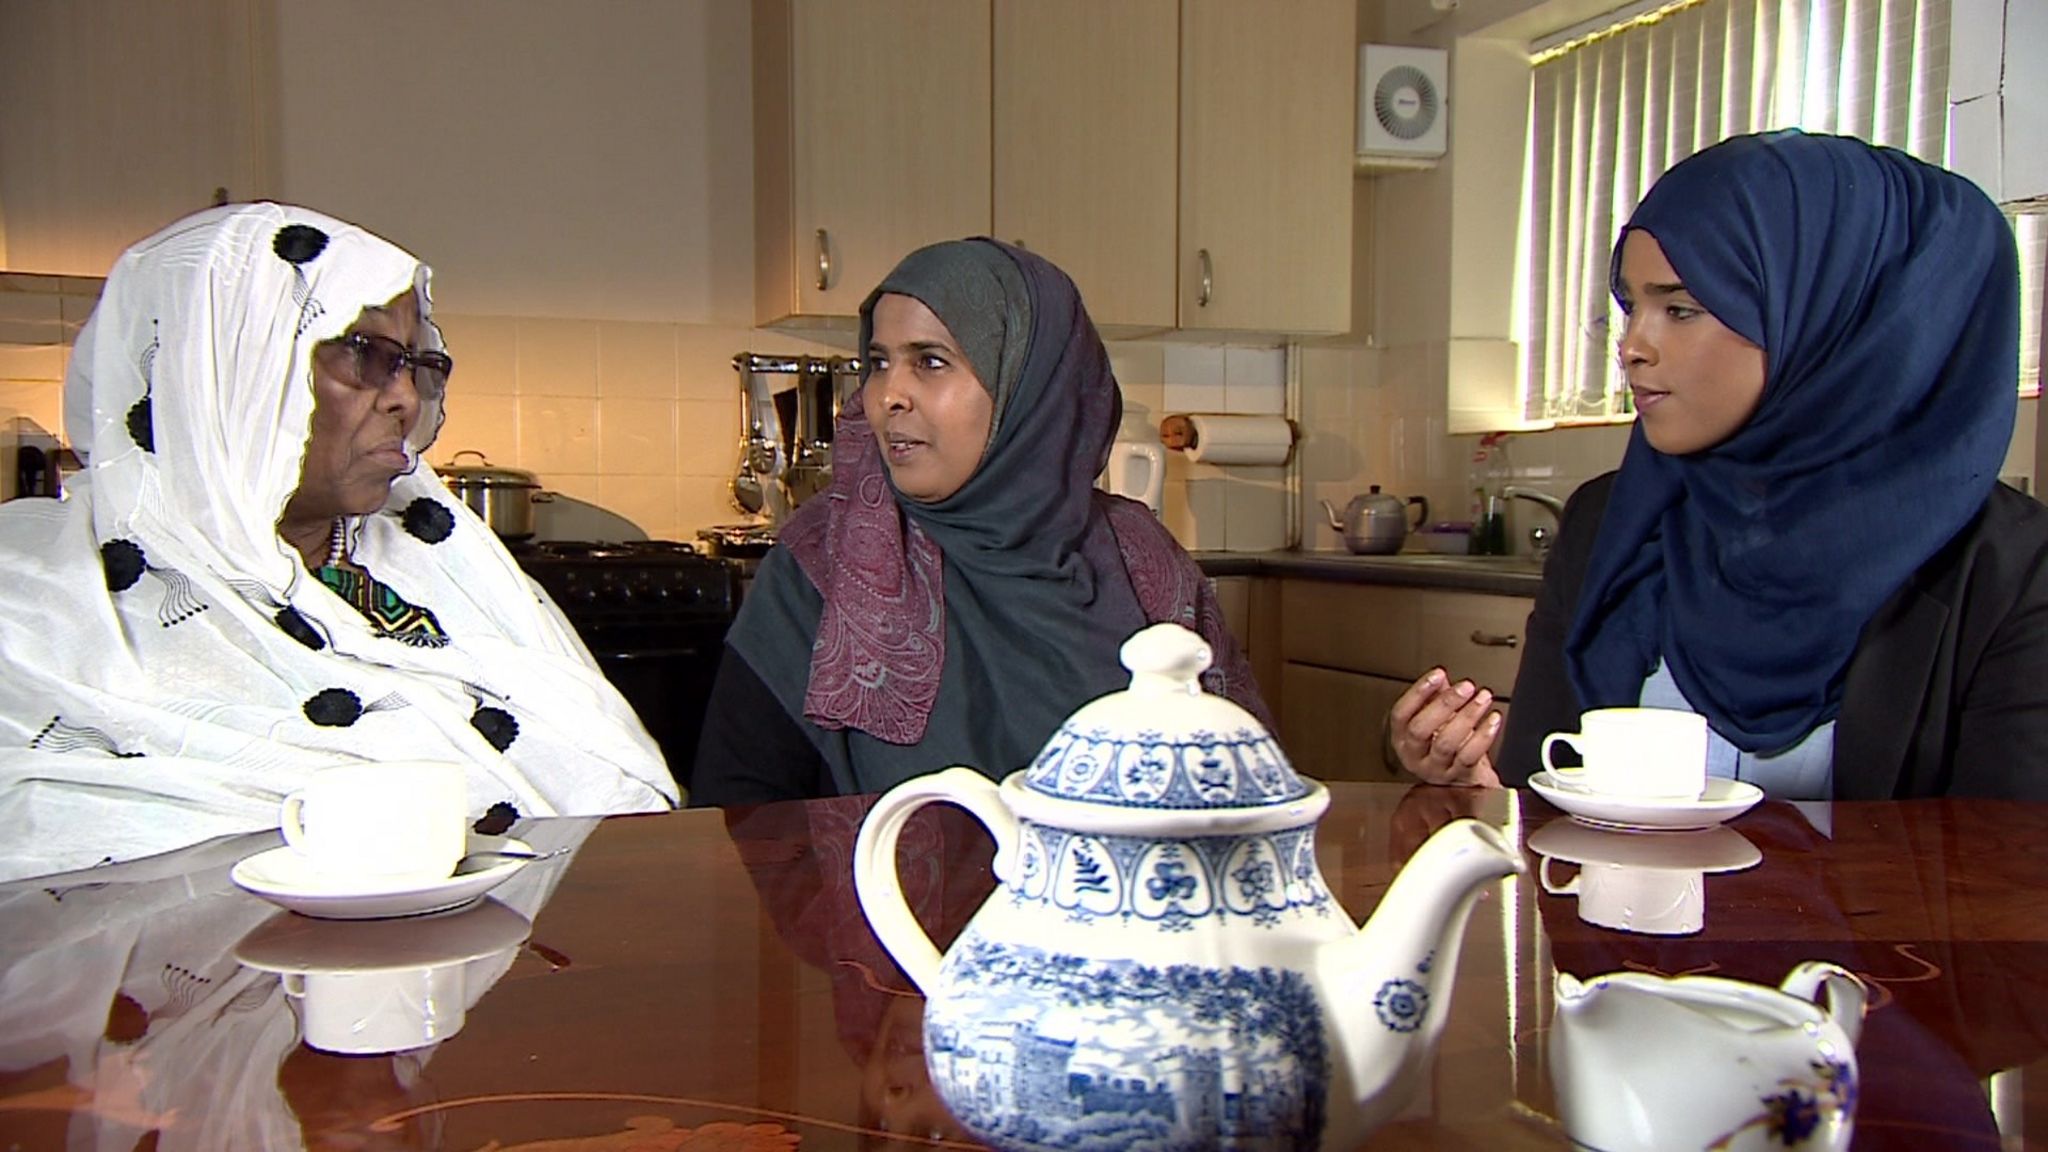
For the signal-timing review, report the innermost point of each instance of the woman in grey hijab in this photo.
(963, 586)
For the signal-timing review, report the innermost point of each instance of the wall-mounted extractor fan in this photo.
(1403, 105)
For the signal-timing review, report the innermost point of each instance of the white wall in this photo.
(582, 160)
(1998, 96)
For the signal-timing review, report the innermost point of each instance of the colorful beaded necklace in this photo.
(388, 612)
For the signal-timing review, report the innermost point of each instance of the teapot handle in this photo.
(1421, 506)
(1846, 994)
(875, 879)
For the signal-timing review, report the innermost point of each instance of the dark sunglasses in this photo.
(375, 361)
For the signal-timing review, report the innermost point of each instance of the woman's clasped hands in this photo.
(1444, 732)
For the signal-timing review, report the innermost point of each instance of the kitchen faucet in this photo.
(1539, 537)
(1555, 505)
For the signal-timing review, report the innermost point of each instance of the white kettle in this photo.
(1136, 470)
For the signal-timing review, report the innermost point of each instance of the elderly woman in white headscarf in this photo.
(256, 577)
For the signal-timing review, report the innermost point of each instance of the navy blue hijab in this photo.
(1885, 295)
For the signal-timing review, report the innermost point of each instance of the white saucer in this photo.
(1722, 801)
(1717, 849)
(282, 877)
(288, 943)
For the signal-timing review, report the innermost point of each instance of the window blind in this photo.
(2032, 233)
(1611, 111)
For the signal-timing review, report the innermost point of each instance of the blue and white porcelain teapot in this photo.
(1163, 965)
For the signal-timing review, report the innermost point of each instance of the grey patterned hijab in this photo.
(980, 295)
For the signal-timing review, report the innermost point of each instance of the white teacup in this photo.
(1638, 753)
(362, 1013)
(384, 823)
(1631, 898)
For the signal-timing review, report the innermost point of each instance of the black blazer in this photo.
(1946, 694)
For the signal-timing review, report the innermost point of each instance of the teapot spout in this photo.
(1394, 975)
(1336, 522)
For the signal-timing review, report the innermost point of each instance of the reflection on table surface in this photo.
(706, 980)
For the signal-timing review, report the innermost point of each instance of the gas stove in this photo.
(608, 549)
(628, 582)
(654, 614)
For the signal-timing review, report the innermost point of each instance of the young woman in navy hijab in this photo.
(1806, 541)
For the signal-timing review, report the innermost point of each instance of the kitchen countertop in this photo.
(1495, 575)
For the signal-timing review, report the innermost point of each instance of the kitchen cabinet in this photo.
(1331, 727)
(1349, 650)
(1267, 98)
(117, 118)
(1233, 599)
(1086, 111)
(1188, 162)
(1230, 125)
(1251, 610)
(871, 139)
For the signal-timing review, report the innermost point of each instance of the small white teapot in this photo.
(1654, 1063)
(1162, 964)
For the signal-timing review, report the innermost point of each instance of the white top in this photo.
(169, 669)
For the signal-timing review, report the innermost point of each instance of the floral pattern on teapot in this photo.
(1164, 745)
(1153, 769)
(1170, 884)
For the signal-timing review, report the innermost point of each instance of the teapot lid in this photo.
(1163, 743)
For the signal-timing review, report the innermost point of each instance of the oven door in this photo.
(668, 682)
(653, 615)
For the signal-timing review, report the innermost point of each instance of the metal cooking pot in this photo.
(504, 497)
(736, 541)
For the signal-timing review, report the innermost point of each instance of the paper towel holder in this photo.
(1179, 433)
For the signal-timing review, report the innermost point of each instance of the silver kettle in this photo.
(1376, 524)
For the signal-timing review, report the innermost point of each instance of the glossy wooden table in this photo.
(702, 980)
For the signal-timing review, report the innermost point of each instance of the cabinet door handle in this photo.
(1207, 279)
(824, 262)
(1495, 640)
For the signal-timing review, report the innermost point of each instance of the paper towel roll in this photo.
(1240, 439)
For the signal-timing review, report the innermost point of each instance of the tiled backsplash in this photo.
(639, 418)
(39, 318)
(44, 310)
(1373, 416)
(32, 384)
(1206, 506)
(642, 419)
